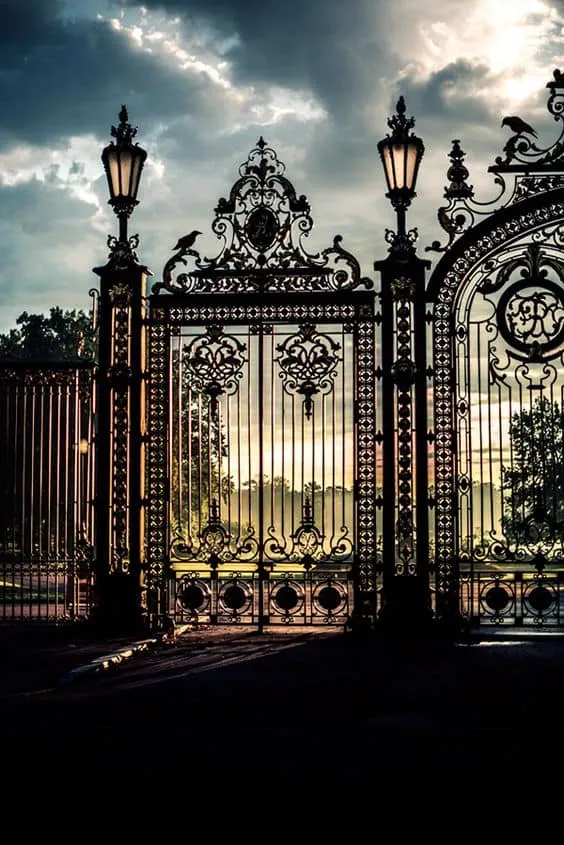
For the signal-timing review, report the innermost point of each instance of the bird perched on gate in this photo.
(187, 241)
(518, 126)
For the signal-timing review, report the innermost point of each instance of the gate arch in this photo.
(497, 298)
(261, 441)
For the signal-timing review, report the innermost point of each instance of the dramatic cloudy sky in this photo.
(204, 78)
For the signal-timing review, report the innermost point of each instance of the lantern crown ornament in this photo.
(401, 153)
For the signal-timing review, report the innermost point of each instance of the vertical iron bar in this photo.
(261, 573)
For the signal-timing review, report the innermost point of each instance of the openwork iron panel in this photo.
(269, 455)
(499, 420)
(513, 598)
(261, 381)
(46, 492)
(287, 598)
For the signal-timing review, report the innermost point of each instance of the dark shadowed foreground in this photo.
(218, 709)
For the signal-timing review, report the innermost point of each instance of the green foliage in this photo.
(534, 480)
(60, 336)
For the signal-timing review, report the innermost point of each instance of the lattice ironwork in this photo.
(269, 414)
(157, 532)
(46, 491)
(498, 364)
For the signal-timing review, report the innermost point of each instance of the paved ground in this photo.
(245, 711)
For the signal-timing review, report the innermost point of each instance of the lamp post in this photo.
(406, 597)
(401, 154)
(120, 423)
(123, 162)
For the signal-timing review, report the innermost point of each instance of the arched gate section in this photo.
(260, 500)
(498, 370)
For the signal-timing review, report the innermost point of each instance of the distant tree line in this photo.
(59, 336)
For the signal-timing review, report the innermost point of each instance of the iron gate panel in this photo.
(509, 414)
(261, 366)
(46, 491)
(498, 377)
(270, 456)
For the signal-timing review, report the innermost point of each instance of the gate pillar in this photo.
(406, 590)
(119, 440)
(406, 596)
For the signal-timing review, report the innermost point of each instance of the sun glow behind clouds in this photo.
(515, 42)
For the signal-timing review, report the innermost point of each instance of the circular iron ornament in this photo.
(330, 598)
(286, 598)
(191, 598)
(235, 597)
(530, 315)
(540, 598)
(497, 598)
(262, 228)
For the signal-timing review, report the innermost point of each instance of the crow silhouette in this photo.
(188, 240)
(518, 126)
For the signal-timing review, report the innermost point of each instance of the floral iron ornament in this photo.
(215, 363)
(308, 364)
(532, 169)
(262, 225)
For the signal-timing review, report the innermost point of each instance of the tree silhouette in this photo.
(198, 447)
(60, 336)
(533, 483)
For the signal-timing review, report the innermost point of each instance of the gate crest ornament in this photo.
(530, 310)
(531, 169)
(262, 225)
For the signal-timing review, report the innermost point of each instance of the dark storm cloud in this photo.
(331, 49)
(450, 94)
(58, 76)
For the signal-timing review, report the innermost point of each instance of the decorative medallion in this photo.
(262, 228)
(530, 316)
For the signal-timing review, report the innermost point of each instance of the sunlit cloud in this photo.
(512, 39)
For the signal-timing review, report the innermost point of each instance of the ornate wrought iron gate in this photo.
(296, 447)
(261, 443)
(498, 342)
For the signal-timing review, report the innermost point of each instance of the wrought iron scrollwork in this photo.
(215, 362)
(307, 538)
(122, 253)
(214, 544)
(533, 170)
(308, 364)
(262, 225)
(307, 545)
(530, 309)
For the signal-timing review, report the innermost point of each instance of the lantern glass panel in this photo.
(113, 172)
(125, 168)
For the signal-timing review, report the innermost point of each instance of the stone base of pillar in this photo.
(407, 606)
(117, 606)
